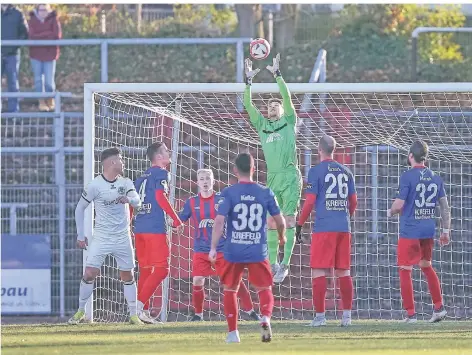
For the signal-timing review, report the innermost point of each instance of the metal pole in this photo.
(239, 70)
(375, 186)
(104, 61)
(173, 179)
(270, 28)
(414, 58)
(13, 220)
(59, 159)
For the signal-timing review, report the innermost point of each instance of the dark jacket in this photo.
(14, 26)
(50, 28)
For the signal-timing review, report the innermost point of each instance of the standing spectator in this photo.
(44, 25)
(14, 27)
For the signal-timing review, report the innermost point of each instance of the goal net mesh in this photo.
(373, 132)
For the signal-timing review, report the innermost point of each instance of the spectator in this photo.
(14, 27)
(44, 25)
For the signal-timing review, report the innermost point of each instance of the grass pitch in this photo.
(364, 337)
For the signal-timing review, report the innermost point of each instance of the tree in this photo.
(286, 25)
(250, 20)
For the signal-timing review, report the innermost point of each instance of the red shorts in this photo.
(411, 251)
(202, 266)
(152, 249)
(331, 250)
(259, 274)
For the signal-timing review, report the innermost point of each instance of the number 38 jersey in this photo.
(245, 206)
(332, 183)
(150, 217)
(421, 190)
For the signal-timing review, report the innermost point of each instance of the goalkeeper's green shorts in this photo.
(287, 188)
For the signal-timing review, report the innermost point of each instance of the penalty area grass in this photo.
(204, 338)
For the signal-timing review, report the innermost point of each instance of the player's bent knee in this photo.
(90, 273)
(318, 273)
(290, 221)
(424, 263)
(198, 280)
(406, 267)
(342, 273)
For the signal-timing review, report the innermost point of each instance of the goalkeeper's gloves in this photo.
(298, 234)
(250, 74)
(275, 67)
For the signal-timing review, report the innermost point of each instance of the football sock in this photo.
(273, 245)
(406, 290)
(346, 291)
(288, 247)
(85, 291)
(129, 290)
(198, 297)
(319, 293)
(266, 300)
(152, 282)
(245, 298)
(143, 276)
(433, 285)
(230, 303)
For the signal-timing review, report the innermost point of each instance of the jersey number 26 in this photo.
(340, 181)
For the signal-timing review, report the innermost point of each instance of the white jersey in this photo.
(112, 219)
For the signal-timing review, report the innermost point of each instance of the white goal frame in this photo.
(235, 88)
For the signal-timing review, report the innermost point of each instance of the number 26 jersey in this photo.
(245, 206)
(421, 190)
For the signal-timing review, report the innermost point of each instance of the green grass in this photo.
(364, 337)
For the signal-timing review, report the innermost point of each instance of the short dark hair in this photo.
(420, 151)
(153, 149)
(327, 144)
(274, 99)
(244, 162)
(109, 152)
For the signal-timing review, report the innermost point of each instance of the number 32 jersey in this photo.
(150, 217)
(421, 190)
(245, 206)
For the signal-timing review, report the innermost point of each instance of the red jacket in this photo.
(49, 29)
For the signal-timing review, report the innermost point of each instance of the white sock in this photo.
(139, 306)
(322, 315)
(347, 314)
(265, 319)
(131, 295)
(85, 291)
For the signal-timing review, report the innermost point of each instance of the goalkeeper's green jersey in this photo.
(278, 138)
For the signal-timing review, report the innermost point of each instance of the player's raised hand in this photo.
(212, 255)
(298, 234)
(275, 67)
(82, 244)
(250, 73)
(444, 239)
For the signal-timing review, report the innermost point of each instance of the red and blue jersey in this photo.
(421, 190)
(150, 217)
(245, 206)
(202, 212)
(333, 184)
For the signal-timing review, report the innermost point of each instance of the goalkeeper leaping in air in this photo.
(278, 139)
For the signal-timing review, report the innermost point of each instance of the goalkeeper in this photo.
(278, 139)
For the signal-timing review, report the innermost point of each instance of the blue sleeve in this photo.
(351, 185)
(442, 190)
(272, 205)
(312, 182)
(224, 204)
(404, 187)
(186, 212)
(161, 182)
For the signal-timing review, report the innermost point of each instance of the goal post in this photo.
(374, 125)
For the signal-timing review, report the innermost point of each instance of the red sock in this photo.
(152, 282)
(434, 286)
(346, 290)
(406, 290)
(230, 302)
(144, 274)
(266, 300)
(245, 297)
(319, 293)
(198, 297)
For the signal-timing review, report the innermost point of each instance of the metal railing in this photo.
(414, 43)
(104, 43)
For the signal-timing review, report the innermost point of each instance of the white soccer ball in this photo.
(259, 48)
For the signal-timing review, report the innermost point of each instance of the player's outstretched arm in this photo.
(164, 203)
(254, 115)
(88, 195)
(289, 108)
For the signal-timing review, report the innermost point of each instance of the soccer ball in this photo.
(259, 48)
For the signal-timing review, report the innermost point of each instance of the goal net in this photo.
(374, 125)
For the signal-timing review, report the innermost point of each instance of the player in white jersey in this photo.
(111, 194)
